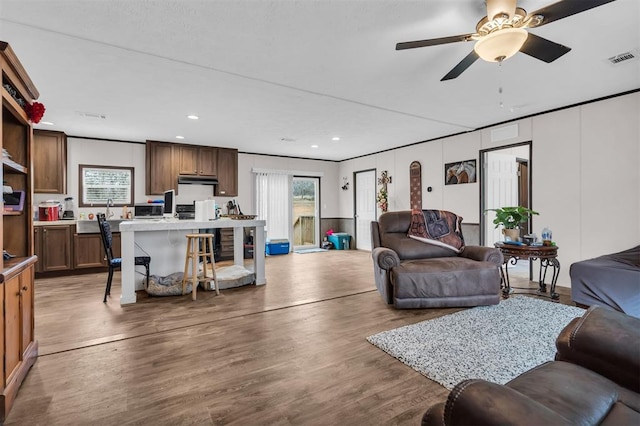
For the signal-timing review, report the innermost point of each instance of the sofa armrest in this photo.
(478, 402)
(483, 254)
(385, 258)
(606, 342)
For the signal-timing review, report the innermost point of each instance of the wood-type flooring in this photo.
(292, 352)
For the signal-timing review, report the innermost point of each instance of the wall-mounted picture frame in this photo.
(460, 172)
(97, 184)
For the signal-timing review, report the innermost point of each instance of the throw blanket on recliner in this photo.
(437, 227)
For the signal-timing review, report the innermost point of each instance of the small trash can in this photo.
(340, 240)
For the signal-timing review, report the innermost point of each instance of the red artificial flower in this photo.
(35, 111)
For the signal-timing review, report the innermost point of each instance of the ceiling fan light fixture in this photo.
(501, 44)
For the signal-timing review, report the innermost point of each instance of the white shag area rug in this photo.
(495, 343)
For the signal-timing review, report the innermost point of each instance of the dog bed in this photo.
(171, 285)
(228, 277)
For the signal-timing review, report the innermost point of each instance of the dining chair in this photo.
(115, 263)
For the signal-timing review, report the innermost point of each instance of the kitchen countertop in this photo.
(54, 222)
(175, 224)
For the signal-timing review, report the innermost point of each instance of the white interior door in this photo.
(365, 207)
(501, 190)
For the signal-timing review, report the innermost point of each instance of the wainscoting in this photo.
(471, 231)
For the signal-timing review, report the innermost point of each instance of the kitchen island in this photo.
(164, 240)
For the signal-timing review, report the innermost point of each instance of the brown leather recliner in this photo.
(594, 380)
(412, 274)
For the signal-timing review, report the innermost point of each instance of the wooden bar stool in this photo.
(199, 246)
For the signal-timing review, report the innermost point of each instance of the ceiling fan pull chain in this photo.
(500, 90)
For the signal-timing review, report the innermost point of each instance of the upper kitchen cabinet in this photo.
(161, 173)
(49, 162)
(166, 161)
(198, 160)
(227, 172)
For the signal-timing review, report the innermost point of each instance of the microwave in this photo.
(148, 211)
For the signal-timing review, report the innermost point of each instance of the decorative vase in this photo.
(512, 234)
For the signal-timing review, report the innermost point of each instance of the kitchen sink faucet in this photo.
(109, 204)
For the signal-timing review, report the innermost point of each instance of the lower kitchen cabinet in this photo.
(61, 248)
(54, 247)
(88, 251)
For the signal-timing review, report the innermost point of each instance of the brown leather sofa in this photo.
(412, 274)
(595, 380)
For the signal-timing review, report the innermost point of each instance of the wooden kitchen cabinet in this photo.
(227, 172)
(198, 160)
(161, 170)
(57, 249)
(88, 251)
(49, 162)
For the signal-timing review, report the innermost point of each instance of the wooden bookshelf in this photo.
(19, 348)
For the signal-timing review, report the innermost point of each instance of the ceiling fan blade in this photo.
(433, 41)
(463, 65)
(565, 8)
(543, 49)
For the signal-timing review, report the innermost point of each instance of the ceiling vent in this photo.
(92, 115)
(624, 57)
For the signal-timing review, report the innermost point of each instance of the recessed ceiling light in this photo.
(314, 146)
(192, 117)
(48, 123)
(335, 138)
(179, 137)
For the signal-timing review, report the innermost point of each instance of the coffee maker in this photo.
(68, 209)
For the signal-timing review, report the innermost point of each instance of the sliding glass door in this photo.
(306, 220)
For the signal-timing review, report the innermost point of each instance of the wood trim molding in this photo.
(15, 64)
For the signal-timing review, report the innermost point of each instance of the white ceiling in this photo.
(259, 71)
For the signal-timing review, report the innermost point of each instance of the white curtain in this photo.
(273, 203)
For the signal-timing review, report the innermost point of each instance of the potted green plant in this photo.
(511, 218)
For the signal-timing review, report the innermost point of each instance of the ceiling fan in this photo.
(502, 33)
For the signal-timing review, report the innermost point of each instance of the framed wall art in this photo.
(460, 172)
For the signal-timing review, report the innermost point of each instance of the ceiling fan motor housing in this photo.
(497, 9)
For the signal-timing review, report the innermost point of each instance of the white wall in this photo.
(99, 153)
(129, 154)
(330, 181)
(585, 175)
(463, 199)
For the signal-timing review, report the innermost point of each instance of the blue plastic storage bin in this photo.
(277, 247)
(340, 240)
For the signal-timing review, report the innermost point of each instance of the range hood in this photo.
(193, 179)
